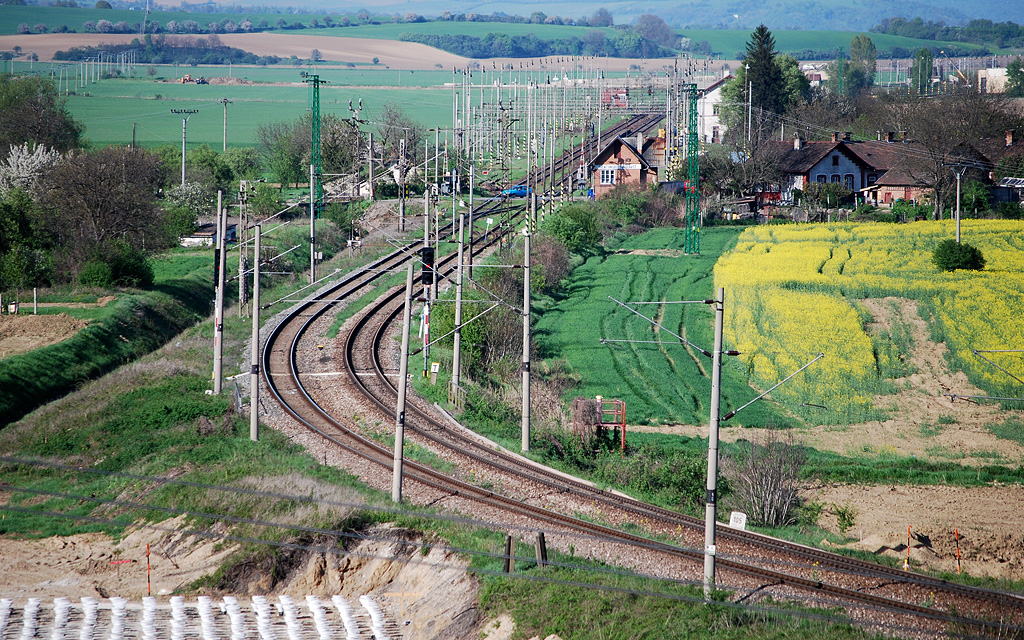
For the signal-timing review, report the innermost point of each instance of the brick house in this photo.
(621, 162)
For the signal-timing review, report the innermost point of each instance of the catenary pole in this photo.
(403, 376)
(312, 223)
(472, 179)
(254, 372)
(711, 505)
(526, 342)
(218, 315)
(457, 346)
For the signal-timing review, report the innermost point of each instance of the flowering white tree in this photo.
(24, 164)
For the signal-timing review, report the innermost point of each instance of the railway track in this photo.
(562, 165)
(758, 561)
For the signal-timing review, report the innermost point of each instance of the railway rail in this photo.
(760, 561)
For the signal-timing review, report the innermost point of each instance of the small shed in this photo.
(206, 236)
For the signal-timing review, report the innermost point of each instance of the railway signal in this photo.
(427, 275)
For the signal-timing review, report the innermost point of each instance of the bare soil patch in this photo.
(23, 333)
(990, 522)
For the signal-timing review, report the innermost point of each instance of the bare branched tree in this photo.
(765, 483)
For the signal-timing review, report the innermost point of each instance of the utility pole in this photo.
(403, 375)
(711, 505)
(526, 342)
(225, 102)
(371, 167)
(185, 115)
(401, 185)
(959, 170)
(254, 372)
(218, 316)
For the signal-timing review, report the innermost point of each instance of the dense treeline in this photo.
(169, 50)
(1001, 34)
(498, 45)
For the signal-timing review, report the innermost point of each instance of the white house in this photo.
(710, 127)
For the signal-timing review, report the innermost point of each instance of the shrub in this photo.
(951, 255)
(96, 273)
(765, 483)
(576, 227)
(1010, 210)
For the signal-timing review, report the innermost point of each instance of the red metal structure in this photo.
(613, 414)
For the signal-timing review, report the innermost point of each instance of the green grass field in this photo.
(109, 108)
(660, 383)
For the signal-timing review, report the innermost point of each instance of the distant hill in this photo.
(728, 14)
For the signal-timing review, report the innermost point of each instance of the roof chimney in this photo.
(835, 136)
(640, 142)
(1010, 136)
(847, 136)
(890, 136)
(798, 142)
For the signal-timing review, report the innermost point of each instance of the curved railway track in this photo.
(756, 558)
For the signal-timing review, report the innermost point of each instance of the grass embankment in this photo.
(135, 324)
(554, 601)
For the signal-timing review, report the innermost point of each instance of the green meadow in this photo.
(662, 382)
(110, 107)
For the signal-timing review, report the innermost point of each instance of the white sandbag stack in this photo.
(149, 618)
(376, 617)
(323, 629)
(61, 606)
(264, 621)
(29, 623)
(206, 618)
(177, 618)
(5, 613)
(90, 609)
(118, 608)
(291, 618)
(349, 620)
(236, 617)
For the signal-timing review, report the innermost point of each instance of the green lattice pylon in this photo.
(691, 236)
(314, 81)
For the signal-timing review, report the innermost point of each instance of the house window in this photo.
(716, 109)
(848, 181)
(607, 176)
(835, 161)
(872, 178)
(835, 178)
(821, 178)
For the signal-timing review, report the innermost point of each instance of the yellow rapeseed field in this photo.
(791, 292)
